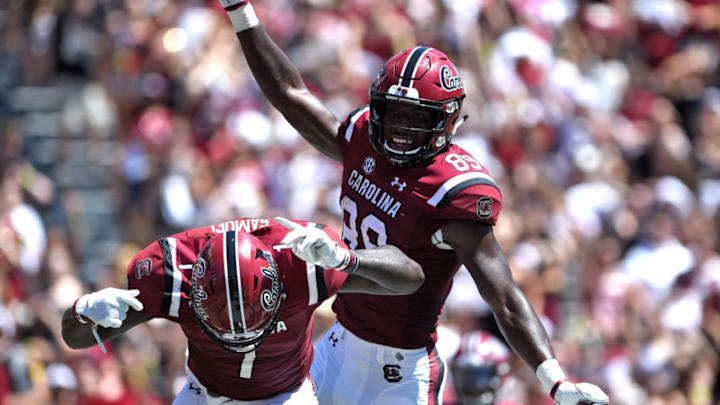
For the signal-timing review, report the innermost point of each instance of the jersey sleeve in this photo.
(471, 195)
(155, 273)
(349, 127)
(146, 273)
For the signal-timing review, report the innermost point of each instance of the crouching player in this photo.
(243, 293)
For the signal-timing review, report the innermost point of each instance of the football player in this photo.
(405, 183)
(479, 368)
(244, 301)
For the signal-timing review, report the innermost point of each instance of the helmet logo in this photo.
(369, 165)
(199, 268)
(269, 298)
(198, 294)
(448, 81)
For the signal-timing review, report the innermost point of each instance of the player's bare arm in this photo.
(383, 270)
(281, 82)
(78, 322)
(477, 248)
(475, 244)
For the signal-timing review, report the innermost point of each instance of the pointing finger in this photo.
(129, 299)
(287, 223)
(293, 237)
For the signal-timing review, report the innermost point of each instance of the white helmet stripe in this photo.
(226, 256)
(243, 251)
(233, 284)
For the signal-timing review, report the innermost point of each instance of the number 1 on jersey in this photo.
(246, 366)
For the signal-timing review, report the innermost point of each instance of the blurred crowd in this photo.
(122, 121)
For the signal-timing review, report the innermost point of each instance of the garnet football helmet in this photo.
(479, 368)
(424, 79)
(236, 291)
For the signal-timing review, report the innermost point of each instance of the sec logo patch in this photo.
(369, 165)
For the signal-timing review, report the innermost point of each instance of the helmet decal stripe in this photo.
(411, 65)
(243, 251)
(231, 279)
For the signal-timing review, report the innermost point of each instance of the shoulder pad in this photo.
(451, 187)
(346, 128)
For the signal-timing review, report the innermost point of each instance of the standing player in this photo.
(405, 183)
(244, 302)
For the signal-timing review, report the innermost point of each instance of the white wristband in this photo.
(243, 17)
(229, 3)
(549, 372)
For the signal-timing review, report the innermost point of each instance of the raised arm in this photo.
(112, 310)
(477, 248)
(281, 82)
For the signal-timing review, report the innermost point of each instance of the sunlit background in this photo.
(122, 121)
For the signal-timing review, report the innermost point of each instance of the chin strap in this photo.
(389, 148)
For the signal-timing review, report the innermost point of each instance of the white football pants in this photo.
(348, 370)
(193, 393)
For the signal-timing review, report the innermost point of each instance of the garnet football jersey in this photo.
(406, 207)
(162, 272)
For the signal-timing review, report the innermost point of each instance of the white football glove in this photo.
(311, 244)
(108, 307)
(241, 14)
(569, 393)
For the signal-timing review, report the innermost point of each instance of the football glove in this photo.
(108, 307)
(569, 393)
(311, 244)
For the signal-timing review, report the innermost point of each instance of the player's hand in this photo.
(569, 393)
(108, 307)
(311, 244)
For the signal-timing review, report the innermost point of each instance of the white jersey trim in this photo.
(351, 127)
(312, 283)
(177, 280)
(454, 181)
